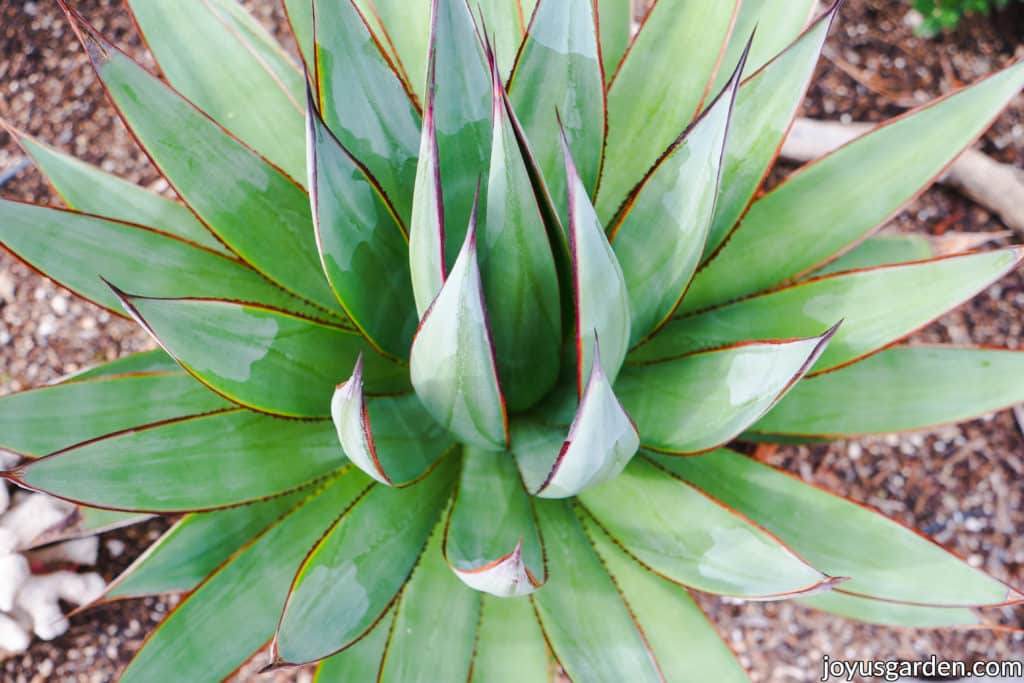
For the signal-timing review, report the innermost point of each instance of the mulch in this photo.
(961, 484)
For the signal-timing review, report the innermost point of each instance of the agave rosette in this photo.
(432, 348)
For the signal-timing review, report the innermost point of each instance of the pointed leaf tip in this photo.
(507, 577)
(348, 411)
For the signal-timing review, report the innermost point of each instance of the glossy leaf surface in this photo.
(435, 624)
(195, 546)
(406, 29)
(491, 541)
(914, 293)
(40, 421)
(832, 533)
(558, 77)
(724, 554)
(363, 246)
(361, 661)
(233, 613)
(660, 236)
(77, 250)
(263, 358)
(87, 188)
(391, 438)
(899, 390)
(616, 22)
(891, 164)
(143, 361)
(506, 25)
(508, 632)
(599, 287)
(260, 213)
(891, 613)
(427, 224)
(881, 250)
(452, 364)
(518, 270)
(647, 112)
(233, 70)
(681, 637)
(229, 457)
(354, 572)
(765, 107)
(600, 443)
(703, 400)
(363, 100)
(584, 618)
(300, 18)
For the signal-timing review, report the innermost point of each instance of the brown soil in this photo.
(960, 484)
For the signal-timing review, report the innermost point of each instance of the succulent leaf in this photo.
(300, 19)
(84, 187)
(234, 611)
(504, 26)
(509, 632)
(452, 363)
(491, 540)
(586, 622)
(881, 250)
(914, 294)
(600, 443)
(645, 113)
(887, 613)
(765, 107)
(263, 358)
(434, 632)
(726, 553)
(890, 164)
(361, 240)
(364, 102)
(391, 438)
(142, 362)
(900, 390)
(700, 401)
(616, 22)
(361, 661)
(659, 235)
(677, 631)
(233, 70)
(230, 457)
(903, 566)
(558, 74)
(341, 591)
(90, 408)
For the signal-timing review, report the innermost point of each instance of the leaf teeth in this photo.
(351, 419)
(507, 577)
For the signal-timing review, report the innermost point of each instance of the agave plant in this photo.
(433, 348)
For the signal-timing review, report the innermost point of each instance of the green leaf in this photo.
(765, 107)
(256, 210)
(232, 614)
(86, 521)
(558, 77)
(834, 533)
(452, 364)
(881, 250)
(616, 22)
(356, 569)
(233, 70)
(585, 620)
(134, 363)
(404, 29)
(652, 514)
(364, 101)
(782, 236)
(462, 111)
(491, 541)
(435, 624)
(427, 224)
(508, 632)
(40, 421)
(76, 250)
(877, 307)
(391, 438)
(361, 661)
(599, 287)
(505, 25)
(664, 77)
(702, 400)
(899, 390)
(194, 547)
(517, 267)
(601, 441)
(684, 642)
(659, 236)
(230, 457)
(300, 19)
(892, 613)
(363, 245)
(84, 187)
(265, 359)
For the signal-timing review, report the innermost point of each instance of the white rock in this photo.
(40, 597)
(13, 638)
(32, 514)
(77, 551)
(14, 572)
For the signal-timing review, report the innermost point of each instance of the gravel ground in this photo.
(960, 484)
